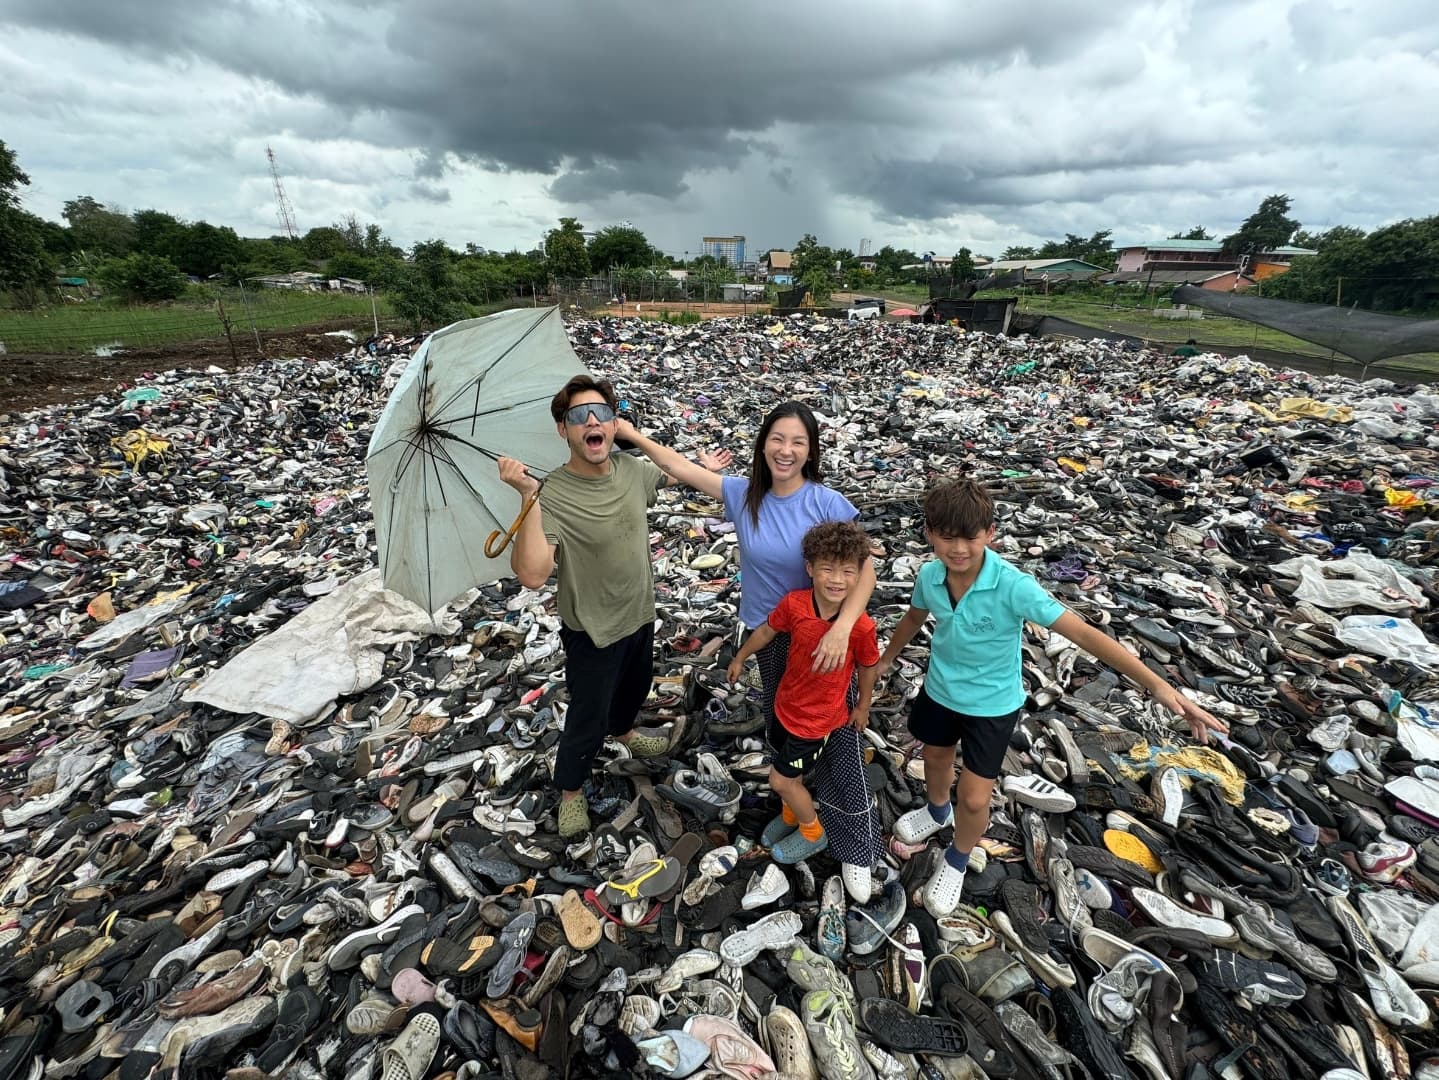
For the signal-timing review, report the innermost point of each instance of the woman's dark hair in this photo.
(760, 478)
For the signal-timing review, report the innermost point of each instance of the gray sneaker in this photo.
(868, 926)
(832, 1036)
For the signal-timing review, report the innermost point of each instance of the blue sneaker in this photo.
(795, 848)
(776, 831)
(829, 934)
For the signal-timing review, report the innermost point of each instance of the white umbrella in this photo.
(475, 392)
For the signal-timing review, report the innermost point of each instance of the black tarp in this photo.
(950, 288)
(791, 298)
(990, 316)
(1365, 335)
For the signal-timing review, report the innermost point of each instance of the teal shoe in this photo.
(776, 831)
(795, 848)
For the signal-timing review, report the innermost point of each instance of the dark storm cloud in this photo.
(806, 116)
(604, 97)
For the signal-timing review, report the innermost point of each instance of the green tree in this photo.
(565, 251)
(99, 229)
(620, 245)
(1018, 252)
(324, 242)
(203, 249)
(1199, 232)
(156, 232)
(819, 283)
(1267, 228)
(144, 278)
(348, 264)
(352, 232)
(376, 243)
(26, 268)
(431, 260)
(1318, 241)
(810, 254)
(961, 267)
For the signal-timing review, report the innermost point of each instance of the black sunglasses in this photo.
(576, 414)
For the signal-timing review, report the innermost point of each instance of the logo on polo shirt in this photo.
(983, 625)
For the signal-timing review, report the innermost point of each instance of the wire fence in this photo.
(80, 328)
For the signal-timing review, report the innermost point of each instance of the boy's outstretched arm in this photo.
(1105, 649)
(903, 633)
(762, 636)
(859, 715)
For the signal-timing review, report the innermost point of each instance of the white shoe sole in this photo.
(772, 932)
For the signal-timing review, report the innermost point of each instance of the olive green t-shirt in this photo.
(602, 551)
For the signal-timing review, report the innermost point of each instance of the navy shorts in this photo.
(790, 754)
(982, 740)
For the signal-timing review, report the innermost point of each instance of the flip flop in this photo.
(514, 941)
(656, 878)
(582, 929)
(593, 899)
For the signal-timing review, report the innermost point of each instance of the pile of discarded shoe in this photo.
(261, 818)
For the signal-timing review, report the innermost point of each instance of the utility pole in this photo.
(1338, 291)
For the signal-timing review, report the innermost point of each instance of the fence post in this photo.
(249, 311)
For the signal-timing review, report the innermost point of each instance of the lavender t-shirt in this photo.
(770, 553)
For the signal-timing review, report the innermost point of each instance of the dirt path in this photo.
(34, 379)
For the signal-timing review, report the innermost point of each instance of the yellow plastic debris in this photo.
(137, 445)
(1315, 410)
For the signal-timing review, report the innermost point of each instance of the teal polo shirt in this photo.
(974, 653)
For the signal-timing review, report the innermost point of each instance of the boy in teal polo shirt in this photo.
(973, 689)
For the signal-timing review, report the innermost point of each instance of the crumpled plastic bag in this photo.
(1372, 583)
(1391, 638)
(1417, 727)
(331, 648)
(122, 626)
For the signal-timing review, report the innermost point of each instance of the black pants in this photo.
(606, 689)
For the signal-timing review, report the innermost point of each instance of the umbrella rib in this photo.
(429, 555)
(480, 378)
(432, 452)
(488, 412)
(433, 423)
(443, 454)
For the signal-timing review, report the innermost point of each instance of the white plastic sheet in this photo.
(1358, 580)
(331, 648)
(1386, 636)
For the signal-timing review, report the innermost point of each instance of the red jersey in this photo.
(808, 704)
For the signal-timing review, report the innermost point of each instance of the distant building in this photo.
(777, 268)
(727, 249)
(1193, 255)
(1035, 269)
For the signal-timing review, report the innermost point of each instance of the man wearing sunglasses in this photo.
(590, 526)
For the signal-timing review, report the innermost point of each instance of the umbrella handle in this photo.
(494, 552)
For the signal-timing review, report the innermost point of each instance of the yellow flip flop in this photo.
(1129, 847)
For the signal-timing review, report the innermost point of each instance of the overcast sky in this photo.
(929, 125)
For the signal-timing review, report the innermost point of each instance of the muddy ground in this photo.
(30, 380)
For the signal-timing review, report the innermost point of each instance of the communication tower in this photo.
(286, 211)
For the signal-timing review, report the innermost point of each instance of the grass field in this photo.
(1126, 319)
(80, 328)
